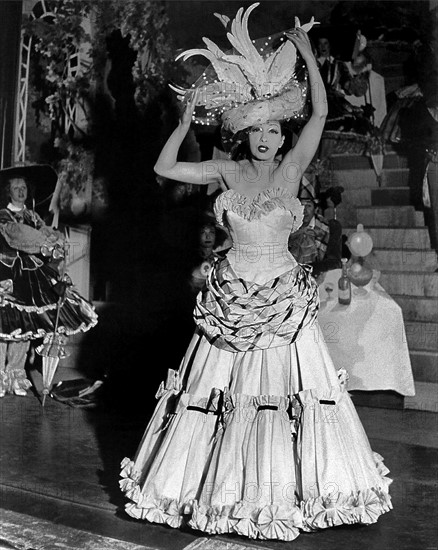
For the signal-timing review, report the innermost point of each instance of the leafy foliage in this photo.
(61, 81)
(69, 59)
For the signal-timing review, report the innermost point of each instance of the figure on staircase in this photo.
(364, 87)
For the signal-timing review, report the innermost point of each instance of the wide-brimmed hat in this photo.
(41, 177)
(256, 81)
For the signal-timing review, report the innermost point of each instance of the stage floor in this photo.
(59, 466)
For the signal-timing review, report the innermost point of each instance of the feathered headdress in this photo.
(252, 84)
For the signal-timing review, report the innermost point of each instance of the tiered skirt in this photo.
(264, 442)
(30, 306)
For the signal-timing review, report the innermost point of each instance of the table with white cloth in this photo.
(367, 338)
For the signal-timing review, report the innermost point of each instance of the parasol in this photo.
(52, 349)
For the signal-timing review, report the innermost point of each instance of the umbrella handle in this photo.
(45, 394)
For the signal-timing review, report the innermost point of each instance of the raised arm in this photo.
(303, 152)
(167, 165)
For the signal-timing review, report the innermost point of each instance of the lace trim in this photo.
(30, 309)
(263, 203)
(17, 335)
(85, 310)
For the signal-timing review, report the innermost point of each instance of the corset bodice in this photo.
(260, 228)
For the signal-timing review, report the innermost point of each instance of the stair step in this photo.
(395, 177)
(404, 216)
(422, 336)
(419, 219)
(345, 214)
(417, 308)
(406, 238)
(408, 259)
(410, 283)
(379, 196)
(369, 216)
(377, 399)
(357, 162)
(386, 196)
(357, 179)
(356, 197)
(424, 365)
(425, 398)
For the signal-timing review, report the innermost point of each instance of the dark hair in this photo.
(242, 151)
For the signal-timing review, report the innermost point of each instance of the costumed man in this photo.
(30, 282)
(329, 67)
(318, 242)
(364, 87)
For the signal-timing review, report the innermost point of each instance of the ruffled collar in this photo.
(264, 202)
(14, 208)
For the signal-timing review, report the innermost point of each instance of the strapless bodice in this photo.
(260, 228)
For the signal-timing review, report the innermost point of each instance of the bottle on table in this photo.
(344, 285)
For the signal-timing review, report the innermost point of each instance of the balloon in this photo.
(360, 243)
(78, 206)
(360, 275)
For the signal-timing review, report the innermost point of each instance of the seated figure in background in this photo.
(318, 242)
(212, 240)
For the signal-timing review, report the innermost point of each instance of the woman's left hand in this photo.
(301, 41)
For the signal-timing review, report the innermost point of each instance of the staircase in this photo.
(402, 253)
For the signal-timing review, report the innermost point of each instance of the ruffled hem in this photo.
(18, 336)
(19, 323)
(246, 420)
(263, 203)
(29, 309)
(271, 521)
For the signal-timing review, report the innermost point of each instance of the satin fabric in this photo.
(256, 439)
(28, 297)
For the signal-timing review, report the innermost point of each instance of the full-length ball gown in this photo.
(255, 433)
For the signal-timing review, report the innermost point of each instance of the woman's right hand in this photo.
(186, 118)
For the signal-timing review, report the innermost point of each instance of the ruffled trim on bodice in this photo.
(264, 202)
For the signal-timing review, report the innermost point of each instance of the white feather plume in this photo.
(244, 75)
(224, 19)
(250, 61)
(279, 66)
